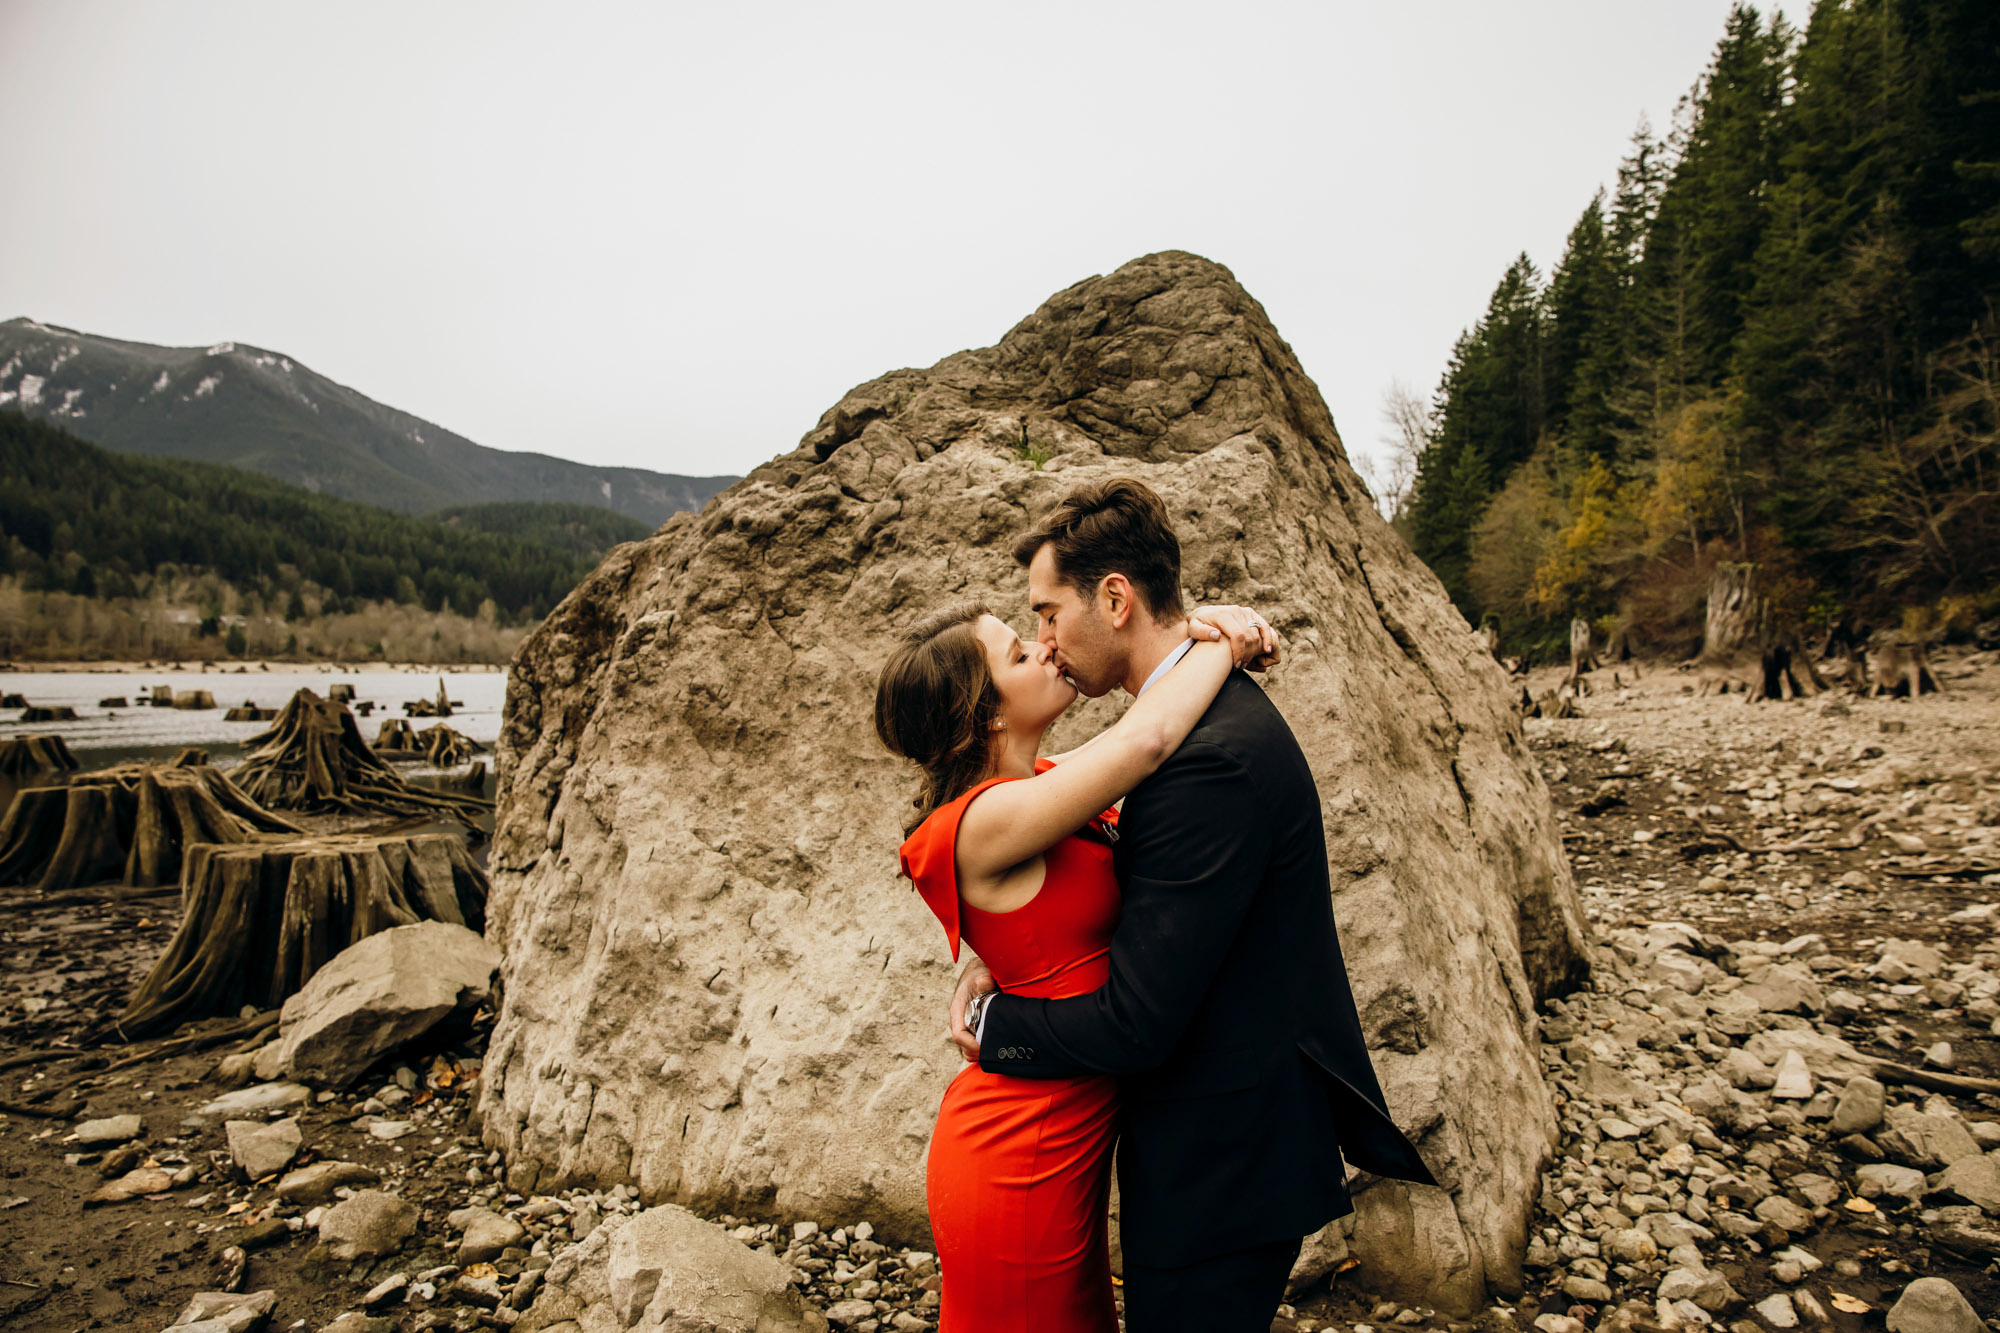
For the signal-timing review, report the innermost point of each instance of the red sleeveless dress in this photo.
(1020, 1169)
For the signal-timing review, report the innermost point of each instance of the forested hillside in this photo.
(585, 531)
(76, 519)
(1774, 342)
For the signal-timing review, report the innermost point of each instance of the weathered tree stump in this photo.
(313, 758)
(472, 780)
(62, 713)
(194, 699)
(258, 920)
(340, 692)
(1729, 625)
(1785, 667)
(13, 701)
(23, 755)
(163, 696)
(366, 708)
(1900, 669)
(132, 823)
(1581, 659)
(114, 701)
(248, 711)
(447, 748)
(397, 736)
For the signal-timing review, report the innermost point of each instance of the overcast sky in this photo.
(670, 235)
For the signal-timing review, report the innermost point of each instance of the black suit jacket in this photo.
(1228, 1010)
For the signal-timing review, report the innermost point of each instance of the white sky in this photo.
(669, 235)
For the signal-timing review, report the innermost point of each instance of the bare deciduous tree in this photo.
(1408, 420)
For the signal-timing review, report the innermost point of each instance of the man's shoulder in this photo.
(1241, 714)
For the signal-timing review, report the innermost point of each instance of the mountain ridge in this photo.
(258, 409)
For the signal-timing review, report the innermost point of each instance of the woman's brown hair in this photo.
(935, 703)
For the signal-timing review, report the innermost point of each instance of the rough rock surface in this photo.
(262, 1149)
(716, 985)
(667, 1268)
(370, 1224)
(379, 993)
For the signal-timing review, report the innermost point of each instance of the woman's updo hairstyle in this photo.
(935, 704)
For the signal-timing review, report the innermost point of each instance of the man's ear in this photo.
(1114, 595)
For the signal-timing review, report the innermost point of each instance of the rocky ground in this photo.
(1796, 906)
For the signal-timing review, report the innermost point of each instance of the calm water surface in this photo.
(103, 736)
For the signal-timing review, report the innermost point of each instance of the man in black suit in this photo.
(1228, 1011)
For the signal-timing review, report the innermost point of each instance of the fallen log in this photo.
(1962, 1084)
(23, 755)
(313, 759)
(132, 823)
(259, 920)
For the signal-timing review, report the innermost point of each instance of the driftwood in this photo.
(62, 713)
(447, 748)
(259, 920)
(1961, 1084)
(133, 823)
(24, 755)
(313, 759)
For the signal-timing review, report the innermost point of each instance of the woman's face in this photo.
(1033, 691)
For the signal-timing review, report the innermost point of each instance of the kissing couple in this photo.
(1165, 976)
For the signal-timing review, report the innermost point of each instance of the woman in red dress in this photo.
(1014, 852)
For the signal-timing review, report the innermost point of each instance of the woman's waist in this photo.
(1062, 981)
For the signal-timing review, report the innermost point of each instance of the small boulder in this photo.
(356, 1322)
(1933, 1305)
(1860, 1107)
(111, 1129)
(1776, 1311)
(1928, 1139)
(262, 1148)
(315, 1184)
(1885, 1178)
(237, 1312)
(371, 1224)
(252, 1101)
(1793, 1080)
(380, 993)
(1975, 1180)
(486, 1234)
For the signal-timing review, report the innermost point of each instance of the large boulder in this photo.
(716, 985)
(380, 993)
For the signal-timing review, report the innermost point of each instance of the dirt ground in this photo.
(1670, 803)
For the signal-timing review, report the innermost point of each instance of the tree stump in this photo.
(64, 713)
(1729, 625)
(132, 823)
(313, 759)
(248, 711)
(21, 756)
(114, 701)
(13, 701)
(396, 737)
(163, 696)
(340, 692)
(258, 920)
(1900, 669)
(472, 780)
(447, 748)
(194, 699)
(1580, 657)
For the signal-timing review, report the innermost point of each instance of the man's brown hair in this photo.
(1112, 527)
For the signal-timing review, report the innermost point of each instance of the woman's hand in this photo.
(1253, 643)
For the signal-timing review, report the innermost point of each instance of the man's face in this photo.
(1076, 629)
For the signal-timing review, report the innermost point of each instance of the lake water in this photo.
(103, 736)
